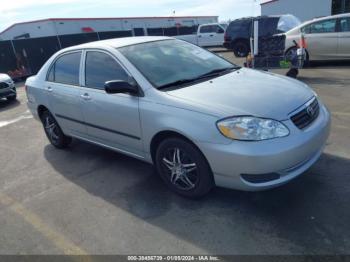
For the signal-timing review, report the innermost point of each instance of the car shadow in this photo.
(311, 214)
(6, 105)
(325, 81)
(329, 64)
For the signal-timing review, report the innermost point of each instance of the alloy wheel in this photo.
(181, 169)
(51, 129)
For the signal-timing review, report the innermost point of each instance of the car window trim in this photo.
(336, 28)
(339, 28)
(54, 63)
(85, 51)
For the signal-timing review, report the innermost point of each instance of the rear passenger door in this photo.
(111, 119)
(344, 38)
(322, 39)
(63, 90)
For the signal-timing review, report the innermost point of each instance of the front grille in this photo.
(305, 117)
(3, 85)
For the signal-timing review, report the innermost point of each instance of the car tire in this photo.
(294, 49)
(53, 131)
(241, 49)
(183, 168)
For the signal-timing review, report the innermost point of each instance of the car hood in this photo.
(247, 92)
(4, 77)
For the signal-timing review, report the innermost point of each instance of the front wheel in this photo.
(291, 52)
(53, 131)
(183, 168)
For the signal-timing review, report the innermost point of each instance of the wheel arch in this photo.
(240, 39)
(165, 134)
(41, 109)
(306, 51)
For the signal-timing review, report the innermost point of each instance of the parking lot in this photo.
(88, 200)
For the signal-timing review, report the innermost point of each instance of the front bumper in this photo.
(6, 92)
(288, 157)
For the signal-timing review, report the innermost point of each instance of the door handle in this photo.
(86, 96)
(49, 88)
(211, 35)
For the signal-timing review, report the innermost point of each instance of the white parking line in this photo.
(25, 115)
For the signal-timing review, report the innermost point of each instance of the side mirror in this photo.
(120, 86)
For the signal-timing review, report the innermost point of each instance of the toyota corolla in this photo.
(201, 120)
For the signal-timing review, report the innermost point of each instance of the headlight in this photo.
(252, 128)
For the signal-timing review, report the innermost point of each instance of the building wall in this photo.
(303, 9)
(75, 26)
(37, 29)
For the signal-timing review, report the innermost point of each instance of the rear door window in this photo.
(66, 69)
(209, 29)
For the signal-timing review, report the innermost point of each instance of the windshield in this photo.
(173, 61)
(224, 26)
(287, 22)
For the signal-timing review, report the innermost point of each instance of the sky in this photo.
(14, 11)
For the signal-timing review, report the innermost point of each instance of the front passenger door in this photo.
(111, 119)
(322, 40)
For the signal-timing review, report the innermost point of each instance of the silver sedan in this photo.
(201, 120)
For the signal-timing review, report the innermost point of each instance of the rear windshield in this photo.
(287, 22)
(240, 26)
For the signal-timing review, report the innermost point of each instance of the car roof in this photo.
(118, 42)
(210, 24)
(257, 17)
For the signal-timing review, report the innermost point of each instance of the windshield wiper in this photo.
(217, 72)
(210, 74)
(177, 83)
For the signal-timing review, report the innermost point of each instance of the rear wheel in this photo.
(54, 132)
(183, 168)
(241, 49)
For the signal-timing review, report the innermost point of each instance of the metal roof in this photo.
(103, 18)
